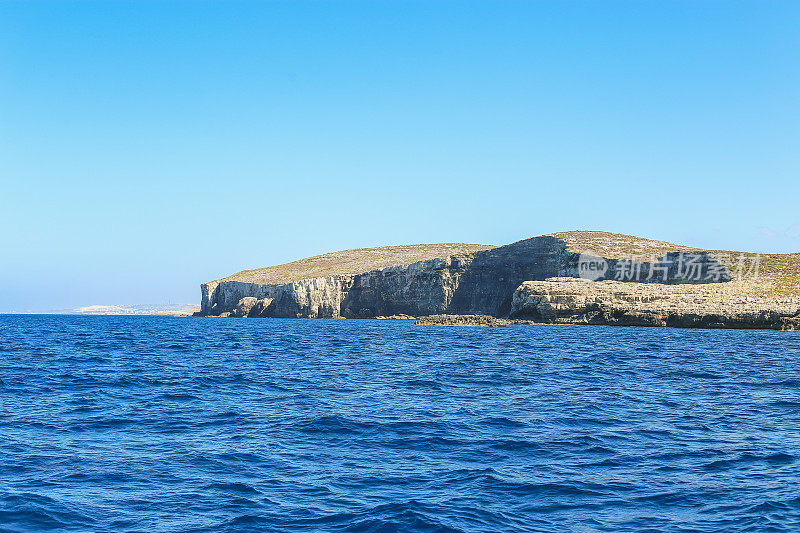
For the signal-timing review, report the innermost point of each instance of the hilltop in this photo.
(777, 273)
(352, 262)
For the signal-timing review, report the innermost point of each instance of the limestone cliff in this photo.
(432, 279)
(476, 279)
(423, 287)
(354, 283)
(712, 305)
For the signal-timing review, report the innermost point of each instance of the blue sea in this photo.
(187, 424)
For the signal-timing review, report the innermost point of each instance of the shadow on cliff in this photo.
(488, 284)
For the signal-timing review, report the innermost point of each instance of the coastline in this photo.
(579, 277)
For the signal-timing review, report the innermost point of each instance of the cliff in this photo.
(736, 304)
(473, 279)
(634, 281)
(414, 280)
(354, 283)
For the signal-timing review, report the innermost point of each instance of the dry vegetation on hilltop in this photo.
(351, 262)
(779, 274)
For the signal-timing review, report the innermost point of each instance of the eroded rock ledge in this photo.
(711, 305)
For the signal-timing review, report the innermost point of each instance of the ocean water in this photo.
(174, 424)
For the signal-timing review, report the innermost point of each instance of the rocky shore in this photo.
(579, 301)
(537, 280)
(712, 305)
(468, 320)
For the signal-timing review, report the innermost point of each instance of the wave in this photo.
(156, 424)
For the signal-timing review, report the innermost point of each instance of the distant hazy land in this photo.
(183, 309)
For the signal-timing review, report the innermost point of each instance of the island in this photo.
(575, 277)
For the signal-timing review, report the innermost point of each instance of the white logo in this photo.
(591, 266)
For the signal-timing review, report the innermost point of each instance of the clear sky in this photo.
(146, 147)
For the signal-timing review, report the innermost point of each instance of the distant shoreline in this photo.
(179, 310)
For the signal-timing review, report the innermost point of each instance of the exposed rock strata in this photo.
(711, 305)
(421, 288)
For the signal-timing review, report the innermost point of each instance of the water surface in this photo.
(174, 424)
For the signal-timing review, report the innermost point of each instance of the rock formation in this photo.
(709, 305)
(657, 283)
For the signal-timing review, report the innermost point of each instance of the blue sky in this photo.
(146, 147)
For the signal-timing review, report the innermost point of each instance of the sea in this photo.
(162, 424)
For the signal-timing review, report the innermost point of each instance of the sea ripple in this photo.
(211, 425)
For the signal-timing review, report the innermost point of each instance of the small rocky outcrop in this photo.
(462, 320)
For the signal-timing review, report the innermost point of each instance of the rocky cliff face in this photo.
(424, 287)
(710, 305)
(481, 280)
